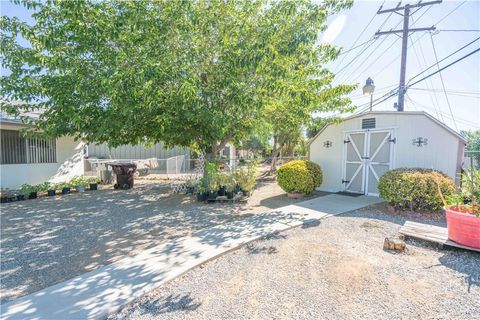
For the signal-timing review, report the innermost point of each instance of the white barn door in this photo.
(368, 155)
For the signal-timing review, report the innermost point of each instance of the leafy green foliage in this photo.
(299, 176)
(189, 73)
(468, 199)
(415, 189)
(473, 145)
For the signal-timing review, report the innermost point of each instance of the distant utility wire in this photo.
(447, 66)
(356, 40)
(459, 30)
(451, 54)
(443, 83)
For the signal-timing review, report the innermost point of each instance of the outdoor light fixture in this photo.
(369, 88)
(327, 144)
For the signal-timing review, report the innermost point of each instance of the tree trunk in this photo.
(273, 167)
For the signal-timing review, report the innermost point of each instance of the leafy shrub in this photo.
(299, 176)
(415, 189)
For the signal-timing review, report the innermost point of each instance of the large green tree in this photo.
(190, 73)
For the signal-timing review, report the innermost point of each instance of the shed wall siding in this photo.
(440, 153)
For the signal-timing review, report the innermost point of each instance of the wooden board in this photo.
(430, 233)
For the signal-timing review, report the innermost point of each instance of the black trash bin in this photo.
(125, 173)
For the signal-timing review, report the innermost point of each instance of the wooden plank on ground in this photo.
(430, 233)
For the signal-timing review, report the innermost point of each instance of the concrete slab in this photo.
(105, 290)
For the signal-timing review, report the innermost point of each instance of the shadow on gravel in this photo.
(469, 266)
(172, 303)
(253, 248)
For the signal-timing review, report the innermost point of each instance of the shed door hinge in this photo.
(346, 141)
(394, 140)
(345, 181)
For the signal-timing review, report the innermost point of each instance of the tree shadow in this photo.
(172, 303)
(465, 263)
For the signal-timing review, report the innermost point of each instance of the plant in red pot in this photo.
(463, 211)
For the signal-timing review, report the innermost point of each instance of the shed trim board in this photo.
(353, 159)
(394, 112)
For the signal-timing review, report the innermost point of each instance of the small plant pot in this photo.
(295, 195)
(212, 196)
(93, 186)
(20, 197)
(230, 194)
(189, 190)
(202, 197)
(32, 195)
(65, 190)
(221, 191)
(80, 188)
(3, 199)
(246, 193)
(237, 189)
(50, 193)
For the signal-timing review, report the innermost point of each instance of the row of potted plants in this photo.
(28, 191)
(217, 183)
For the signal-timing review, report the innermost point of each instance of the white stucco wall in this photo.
(69, 164)
(441, 152)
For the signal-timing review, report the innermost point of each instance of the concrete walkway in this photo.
(105, 290)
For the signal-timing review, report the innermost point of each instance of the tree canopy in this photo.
(188, 73)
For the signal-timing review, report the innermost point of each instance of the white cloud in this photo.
(334, 29)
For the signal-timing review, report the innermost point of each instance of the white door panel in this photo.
(368, 155)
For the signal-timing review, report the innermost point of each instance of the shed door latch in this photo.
(345, 181)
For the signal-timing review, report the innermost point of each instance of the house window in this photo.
(16, 149)
(368, 123)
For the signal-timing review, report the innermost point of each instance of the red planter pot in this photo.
(463, 228)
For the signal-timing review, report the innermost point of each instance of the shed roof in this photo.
(435, 120)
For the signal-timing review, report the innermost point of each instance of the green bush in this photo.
(299, 176)
(415, 189)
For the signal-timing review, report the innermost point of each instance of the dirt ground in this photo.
(48, 240)
(336, 269)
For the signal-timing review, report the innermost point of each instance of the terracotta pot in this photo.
(463, 228)
(295, 195)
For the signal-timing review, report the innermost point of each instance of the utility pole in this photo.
(405, 32)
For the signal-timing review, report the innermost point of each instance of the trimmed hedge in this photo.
(299, 176)
(415, 189)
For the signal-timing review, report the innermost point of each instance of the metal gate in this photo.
(368, 155)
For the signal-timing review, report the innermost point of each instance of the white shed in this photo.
(356, 152)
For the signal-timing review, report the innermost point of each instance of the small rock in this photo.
(394, 243)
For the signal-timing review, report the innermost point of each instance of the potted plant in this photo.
(463, 211)
(230, 187)
(51, 189)
(202, 193)
(93, 182)
(43, 187)
(247, 179)
(212, 188)
(27, 191)
(222, 182)
(64, 187)
(79, 183)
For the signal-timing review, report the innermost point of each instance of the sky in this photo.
(380, 59)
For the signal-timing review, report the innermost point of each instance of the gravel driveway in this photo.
(333, 270)
(49, 240)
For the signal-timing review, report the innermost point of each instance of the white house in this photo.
(356, 152)
(35, 160)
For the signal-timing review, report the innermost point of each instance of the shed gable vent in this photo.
(368, 123)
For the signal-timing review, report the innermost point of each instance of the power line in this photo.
(420, 37)
(451, 54)
(447, 66)
(358, 38)
(437, 105)
(363, 51)
(363, 43)
(459, 30)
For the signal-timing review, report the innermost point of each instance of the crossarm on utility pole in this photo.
(398, 8)
(379, 33)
